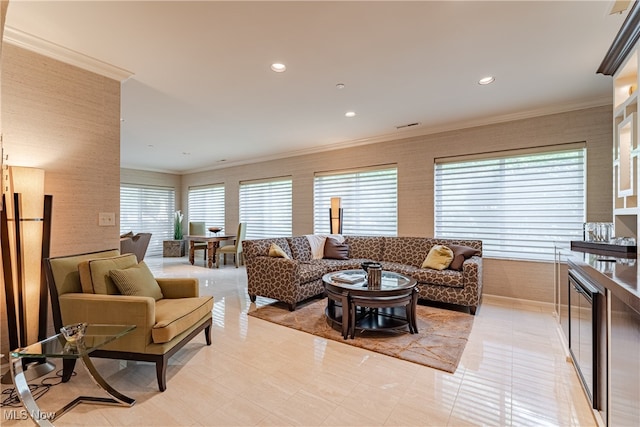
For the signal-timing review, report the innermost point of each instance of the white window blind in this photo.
(266, 208)
(518, 205)
(369, 200)
(149, 210)
(206, 204)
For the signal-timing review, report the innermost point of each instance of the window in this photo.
(149, 210)
(369, 201)
(265, 206)
(518, 205)
(206, 204)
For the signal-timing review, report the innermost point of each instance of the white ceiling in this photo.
(202, 90)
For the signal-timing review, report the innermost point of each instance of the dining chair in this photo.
(235, 249)
(198, 229)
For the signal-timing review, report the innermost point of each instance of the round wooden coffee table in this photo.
(352, 305)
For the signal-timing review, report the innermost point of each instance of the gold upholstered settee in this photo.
(83, 289)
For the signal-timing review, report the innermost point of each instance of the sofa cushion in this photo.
(94, 273)
(300, 248)
(330, 265)
(365, 247)
(439, 258)
(174, 316)
(333, 249)
(450, 278)
(276, 251)
(407, 250)
(397, 267)
(460, 253)
(137, 281)
(309, 272)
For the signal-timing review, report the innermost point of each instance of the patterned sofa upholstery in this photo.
(299, 278)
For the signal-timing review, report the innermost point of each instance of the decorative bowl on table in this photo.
(215, 229)
(74, 332)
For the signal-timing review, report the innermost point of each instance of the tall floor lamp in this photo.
(25, 231)
(335, 216)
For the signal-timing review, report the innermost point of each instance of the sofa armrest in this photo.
(113, 310)
(182, 287)
(281, 273)
(472, 272)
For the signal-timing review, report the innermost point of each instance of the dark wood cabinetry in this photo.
(624, 361)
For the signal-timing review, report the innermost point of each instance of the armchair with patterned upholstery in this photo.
(108, 288)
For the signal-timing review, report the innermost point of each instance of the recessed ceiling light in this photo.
(350, 114)
(486, 80)
(278, 68)
(340, 86)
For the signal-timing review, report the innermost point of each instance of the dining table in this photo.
(213, 242)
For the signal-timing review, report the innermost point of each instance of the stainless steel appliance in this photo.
(584, 326)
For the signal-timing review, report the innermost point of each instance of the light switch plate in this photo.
(106, 219)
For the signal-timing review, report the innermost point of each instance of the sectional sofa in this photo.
(300, 276)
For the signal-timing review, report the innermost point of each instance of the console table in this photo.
(57, 346)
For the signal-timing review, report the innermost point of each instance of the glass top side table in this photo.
(57, 346)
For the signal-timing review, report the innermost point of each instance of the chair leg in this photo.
(207, 334)
(161, 373)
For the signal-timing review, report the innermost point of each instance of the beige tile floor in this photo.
(513, 372)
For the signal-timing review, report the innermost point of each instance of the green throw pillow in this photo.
(137, 281)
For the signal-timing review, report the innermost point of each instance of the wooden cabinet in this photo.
(624, 364)
(622, 62)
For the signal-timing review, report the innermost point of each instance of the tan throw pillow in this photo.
(137, 281)
(94, 274)
(439, 258)
(460, 253)
(277, 252)
(333, 249)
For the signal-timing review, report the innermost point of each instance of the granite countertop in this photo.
(617, 273)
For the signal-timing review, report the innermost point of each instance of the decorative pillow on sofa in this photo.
(438, 258)
(137, 281)
(460, 253)
(333, 249)
(277, 252)
(94, 273)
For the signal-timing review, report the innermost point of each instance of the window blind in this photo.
(517, 205)
(206, 204)
(149, 210)
(266, 208)
(369, 199)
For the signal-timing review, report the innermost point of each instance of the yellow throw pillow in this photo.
(277, 252)
(439, 258)
(137, 281)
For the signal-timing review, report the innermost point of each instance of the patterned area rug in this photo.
(439, 343)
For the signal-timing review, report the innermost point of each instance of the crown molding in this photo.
(623, 43)
(43, 47)
(416, 132)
